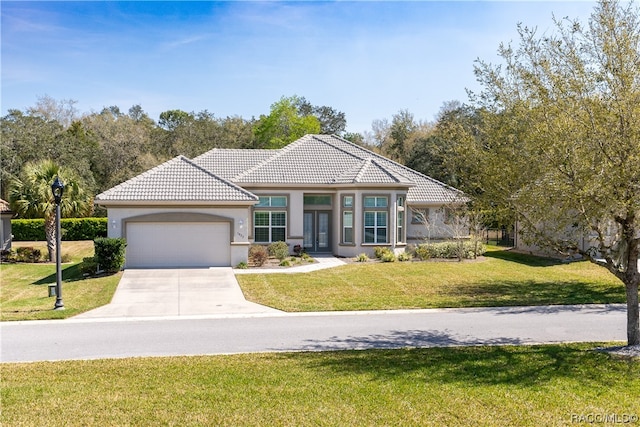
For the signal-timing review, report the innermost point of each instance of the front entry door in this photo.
(317, 231)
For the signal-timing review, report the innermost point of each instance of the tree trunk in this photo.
(631, 281)
(50, 234)
(633, 314)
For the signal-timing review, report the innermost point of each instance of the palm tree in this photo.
(31, 197)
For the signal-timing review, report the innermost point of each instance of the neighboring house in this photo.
(320, 192)
(5, 225)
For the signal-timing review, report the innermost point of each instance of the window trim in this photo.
(271, 210)
(376, 209)
(352, 209)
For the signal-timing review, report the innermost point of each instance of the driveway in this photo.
(177, 292)
(190, 292)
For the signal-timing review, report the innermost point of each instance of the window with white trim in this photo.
(400, 237)
(347, 227)
(376, 219)
(270, 225)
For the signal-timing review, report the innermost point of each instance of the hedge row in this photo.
(72, 229)
(466, 249)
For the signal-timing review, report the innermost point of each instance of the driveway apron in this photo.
(177, 292)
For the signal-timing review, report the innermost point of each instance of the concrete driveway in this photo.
(177, 292)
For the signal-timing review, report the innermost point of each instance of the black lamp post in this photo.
(57, 188)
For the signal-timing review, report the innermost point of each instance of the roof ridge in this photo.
(315, 136)
(144, 174)
(278, 152)
(219, 178)
(290, 147)
(403, 167)
(365, 164)
(394, 175)
(169, 163)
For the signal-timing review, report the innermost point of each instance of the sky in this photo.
(368, 59)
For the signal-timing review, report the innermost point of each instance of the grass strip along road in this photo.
(465, 386)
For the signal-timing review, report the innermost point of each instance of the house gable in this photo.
(177, 180)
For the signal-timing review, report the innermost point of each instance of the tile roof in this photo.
(220, 174)
(324, 159)
(370, 171)
(426, 189)
(227, 163)
(177, 180)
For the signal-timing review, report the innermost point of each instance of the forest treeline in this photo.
(108, 147)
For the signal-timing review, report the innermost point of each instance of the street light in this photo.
(57, 188)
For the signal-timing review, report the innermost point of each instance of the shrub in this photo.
(457, 249)
(405, 256)
(362, 258)
(423, 252)
(384, 254)
(109, 253)
(279, 250)
(388, 256)
(89, 266)
(83, 228)
(242, 265)
(258, 255)
(28, 230)
(71, 229)
(285, 263)
(378, 251)
(28, 254)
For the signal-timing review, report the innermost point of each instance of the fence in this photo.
(499, 237)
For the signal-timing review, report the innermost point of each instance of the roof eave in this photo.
(175, 202)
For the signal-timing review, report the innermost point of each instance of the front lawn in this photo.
(466, 386)
(501, 278)
(24, 287)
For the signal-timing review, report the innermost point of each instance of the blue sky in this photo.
(367, 59)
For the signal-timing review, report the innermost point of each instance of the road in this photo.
(76, 339)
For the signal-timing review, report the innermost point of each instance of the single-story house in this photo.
(5, 226)
(321, 192)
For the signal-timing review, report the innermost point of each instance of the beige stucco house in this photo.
(321, 192)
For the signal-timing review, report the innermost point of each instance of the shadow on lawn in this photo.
(517, 366)
(526, 259)
(531, 292)
(69, 274)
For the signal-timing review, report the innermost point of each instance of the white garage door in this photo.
(178, 244)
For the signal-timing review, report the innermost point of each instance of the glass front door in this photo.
(317, 231)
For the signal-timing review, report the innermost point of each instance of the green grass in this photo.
(24, 287)
(490, 386)
(502, 278)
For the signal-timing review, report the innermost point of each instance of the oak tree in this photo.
(561, 143)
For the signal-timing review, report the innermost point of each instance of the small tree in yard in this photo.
(454, 221)
(560, 141)
(31, 197)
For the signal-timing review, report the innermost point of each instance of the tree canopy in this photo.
(108, 147)
(31, 196)
(561, 139)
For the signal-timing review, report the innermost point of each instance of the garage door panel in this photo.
(177, 244)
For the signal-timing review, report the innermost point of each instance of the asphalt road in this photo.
(119, 338)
